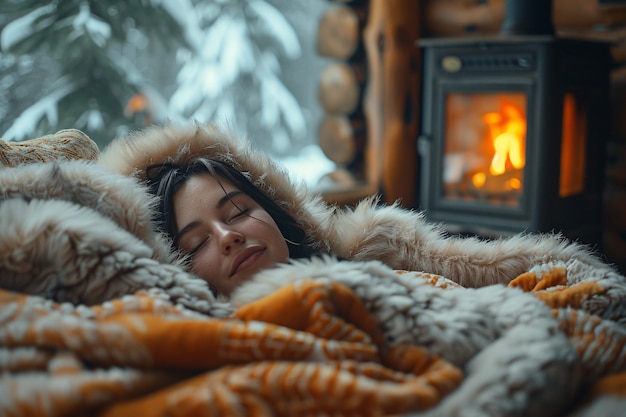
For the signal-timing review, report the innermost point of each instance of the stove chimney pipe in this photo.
(527, 17)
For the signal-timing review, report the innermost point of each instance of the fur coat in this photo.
(400, 238)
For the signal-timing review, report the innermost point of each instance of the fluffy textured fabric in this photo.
(323, 337)
(65, 145)
(400, 238)
(87, 184)
(92, 301)
(75, 232)
(526, 349)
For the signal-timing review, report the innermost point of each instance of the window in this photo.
(117, 66)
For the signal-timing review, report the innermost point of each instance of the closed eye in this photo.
(199, 245)
(239, 213)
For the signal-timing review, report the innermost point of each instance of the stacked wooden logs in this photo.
(459, 17)
(341, 133)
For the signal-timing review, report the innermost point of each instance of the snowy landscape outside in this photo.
(248, 64)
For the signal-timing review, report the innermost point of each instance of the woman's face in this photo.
(229, 235)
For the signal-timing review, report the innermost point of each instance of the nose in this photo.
(228, 237)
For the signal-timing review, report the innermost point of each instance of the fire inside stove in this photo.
(485, 147)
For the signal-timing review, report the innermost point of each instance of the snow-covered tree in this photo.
(233, 71)
(91, 47)
(206, 60)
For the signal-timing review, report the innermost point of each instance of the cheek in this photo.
(281, 250)
(283, 255)
(205, 266)
(265, 228)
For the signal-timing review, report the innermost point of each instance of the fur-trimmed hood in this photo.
(401, 238)
(180, 143)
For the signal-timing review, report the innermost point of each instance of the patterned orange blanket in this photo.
(307, 349)
(314, 347)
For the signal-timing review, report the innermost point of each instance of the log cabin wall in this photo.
(388, 103)
(372, 140)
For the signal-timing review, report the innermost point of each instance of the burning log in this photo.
(479, 186)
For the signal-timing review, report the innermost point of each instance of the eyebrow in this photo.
(220, 203)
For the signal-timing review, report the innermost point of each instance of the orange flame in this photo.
(507, 130)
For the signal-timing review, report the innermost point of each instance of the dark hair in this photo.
(165, 179)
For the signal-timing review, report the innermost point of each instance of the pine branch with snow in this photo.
(93, 78)
(233, 74)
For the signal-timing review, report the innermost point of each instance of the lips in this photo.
(246, 259)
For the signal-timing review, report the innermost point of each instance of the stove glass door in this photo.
(484, 150)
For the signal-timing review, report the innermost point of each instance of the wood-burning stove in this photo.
(513, 133)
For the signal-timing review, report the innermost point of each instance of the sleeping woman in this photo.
(228, 228)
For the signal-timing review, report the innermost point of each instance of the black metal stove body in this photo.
(513, 134)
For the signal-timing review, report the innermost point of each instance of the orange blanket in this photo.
(310, 348)
(315, 350)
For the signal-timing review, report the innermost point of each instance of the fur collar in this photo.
(400, 238)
